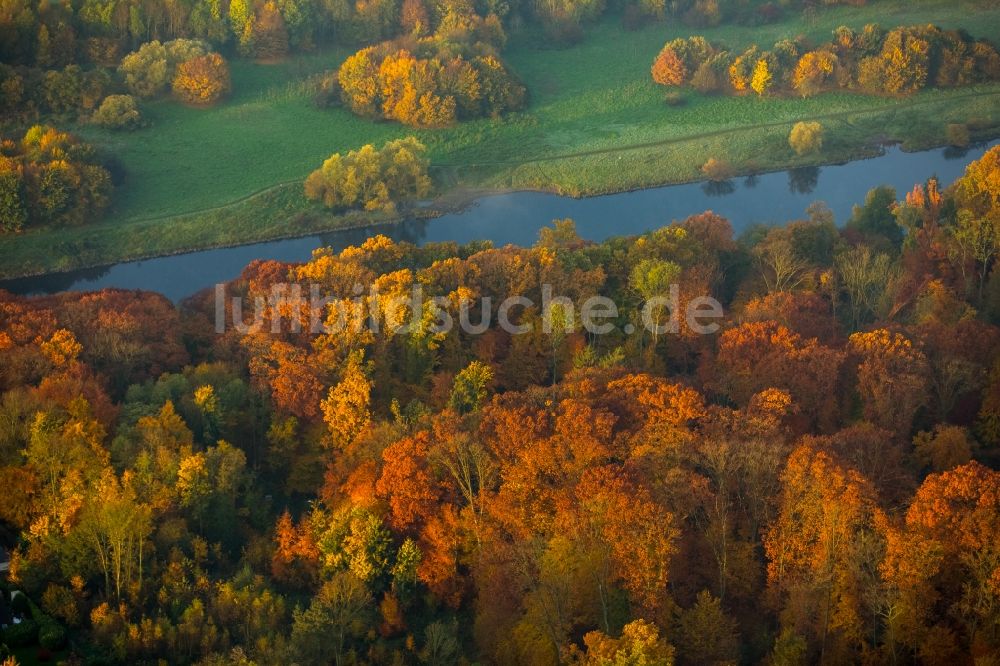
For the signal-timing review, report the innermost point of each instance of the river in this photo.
(516, 217)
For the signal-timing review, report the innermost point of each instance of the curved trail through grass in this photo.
(838, 115)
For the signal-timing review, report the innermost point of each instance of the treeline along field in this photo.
(595, 123)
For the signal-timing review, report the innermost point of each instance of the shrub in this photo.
(269, 35)
(51, 634)
(741, 70)
(762, 79)
(118, 112)
(813, 71)
(653, 10)
(958, 135)
(414, 18)
(769, 12)
(13, 200)
(674, 98)
(806, 137)
(104, 51)
(717, 170)
(60, 603)
(61, 89)
(711, 75)
(679, 59)
(432, 80)
(328, 93)
(21, 635)
(704, 13)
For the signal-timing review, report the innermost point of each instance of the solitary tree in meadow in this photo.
(806, 137)
(202, 80)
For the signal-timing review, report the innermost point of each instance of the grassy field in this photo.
(596, 123)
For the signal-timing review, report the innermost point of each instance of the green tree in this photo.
(341, 612)
(404, 570)
(653, 279)
(118, 112)
(149, 70)
(13, 209)
(977, 238)
(115, 526)
(240, 18)
(875, 220)
(371, 179)
(470, 387)
(441, 644)
(208, 484)
(367, 548)
(864, 275)
(790, 649)
(705, 634)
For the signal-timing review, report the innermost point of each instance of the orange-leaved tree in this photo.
(942, 565)
(817, 549)
(202, 80)
(891, 379)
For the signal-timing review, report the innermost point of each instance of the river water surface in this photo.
(516, 217)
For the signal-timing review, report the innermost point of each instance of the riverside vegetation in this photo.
(595, 123)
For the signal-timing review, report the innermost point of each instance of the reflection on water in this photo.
(718, 188)
(962, 152)
(803, 180)
(54, 282)
(516, 217)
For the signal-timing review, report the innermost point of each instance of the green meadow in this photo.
(596, 123)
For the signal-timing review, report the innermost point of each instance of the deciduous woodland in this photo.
(813, 483)
(900, 62)
(247, 479)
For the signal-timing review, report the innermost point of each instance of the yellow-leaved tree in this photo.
(346, 408)
(806, 137)
(762, 79)
(370, 178)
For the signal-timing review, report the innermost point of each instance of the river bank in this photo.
(281, 212)
(516, 217)
(596, 124)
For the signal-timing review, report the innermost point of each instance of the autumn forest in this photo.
(811, 483)
(413, 395)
